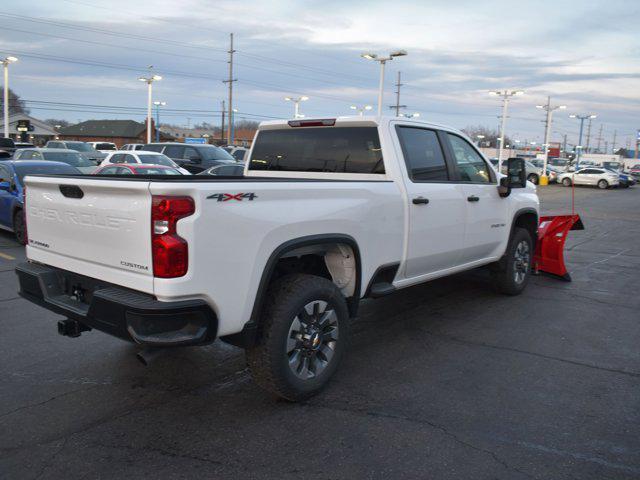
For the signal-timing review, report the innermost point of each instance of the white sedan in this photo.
(597, 177)
(142, 156)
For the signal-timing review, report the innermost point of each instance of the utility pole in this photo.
(222, 123)
(547, 135)
(564, 143)
(230, 81)
(588, 134)
(613, 144)
(505, 95)
(599, 138)
(398, 106)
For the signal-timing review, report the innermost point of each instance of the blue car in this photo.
(12, 173)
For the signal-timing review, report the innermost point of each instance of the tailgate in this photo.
(94, 227)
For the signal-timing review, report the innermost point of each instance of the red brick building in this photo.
(119, 132)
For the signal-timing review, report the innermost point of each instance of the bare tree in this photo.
(16, 104)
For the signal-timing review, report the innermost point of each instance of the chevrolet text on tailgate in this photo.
(328, 212)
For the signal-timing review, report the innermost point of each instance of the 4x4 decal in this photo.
(225, 197)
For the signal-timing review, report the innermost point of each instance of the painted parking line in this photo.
(8, 257)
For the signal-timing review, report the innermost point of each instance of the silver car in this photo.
(70, 157)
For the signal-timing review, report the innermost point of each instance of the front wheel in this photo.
(602, 184)
(512, 274)
(305, 329)
(19, 227)
(566, 182)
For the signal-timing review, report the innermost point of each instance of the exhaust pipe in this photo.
(148, 355)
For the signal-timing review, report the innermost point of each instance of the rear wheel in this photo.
(19, 227)
(512, 275)
(533, 178)
(603, 184)
(305, 329)
(566, 182)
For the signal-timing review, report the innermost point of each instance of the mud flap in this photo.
(552, 233)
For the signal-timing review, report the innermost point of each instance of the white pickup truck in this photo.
(328, 212)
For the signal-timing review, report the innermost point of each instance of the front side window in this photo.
(128, 158)
(117, 158)
(423, 154)
(321, 149)
(471, 166)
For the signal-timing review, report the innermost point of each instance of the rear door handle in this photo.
(420, 201)
(473, 198)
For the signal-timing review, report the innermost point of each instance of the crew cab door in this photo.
(486, 225)
(436, 204)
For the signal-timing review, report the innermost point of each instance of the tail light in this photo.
(170, 251)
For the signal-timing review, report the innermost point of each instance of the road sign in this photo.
(192, 141)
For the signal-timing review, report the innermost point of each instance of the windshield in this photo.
(157, 171)
(158, 159)
(211, 152)
(80, 147)
(53, 169)
(71, 158)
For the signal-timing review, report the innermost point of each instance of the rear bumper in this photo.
(121, 312)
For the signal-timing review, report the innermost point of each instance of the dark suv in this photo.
(194, 158)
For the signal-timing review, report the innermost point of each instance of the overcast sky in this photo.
(86, 55)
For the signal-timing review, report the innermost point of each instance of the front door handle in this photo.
(420, 201)
(473, 198)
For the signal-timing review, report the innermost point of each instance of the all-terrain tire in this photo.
(287, 305)
(511, 275)
(20, 227)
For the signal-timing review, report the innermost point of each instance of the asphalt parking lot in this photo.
(445, 380)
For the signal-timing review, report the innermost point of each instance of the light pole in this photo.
(149, 81)
(158, 105)
(296, 104)
(505, 94)
(544, 180)
(582, 118)
(5, 64)
(361, 110)
(383, 60)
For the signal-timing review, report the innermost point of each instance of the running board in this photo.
(381, 289)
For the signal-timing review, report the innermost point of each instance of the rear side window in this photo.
(152, 148)
(173, 151)
(117, 158)
(334, 149)
(423, 154)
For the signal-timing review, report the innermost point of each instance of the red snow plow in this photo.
(552, 233)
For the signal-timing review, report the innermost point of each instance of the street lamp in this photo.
(383, 60)
(582, 118)
(505, 94)
(158, 104)
(547, 136)
(5, 64)
(296, 104)
(149, 81)
(361, 110)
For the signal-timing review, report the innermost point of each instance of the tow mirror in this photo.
(516, 177)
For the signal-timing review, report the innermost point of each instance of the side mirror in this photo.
(516, 173)
(516, 177)
(6, 186)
